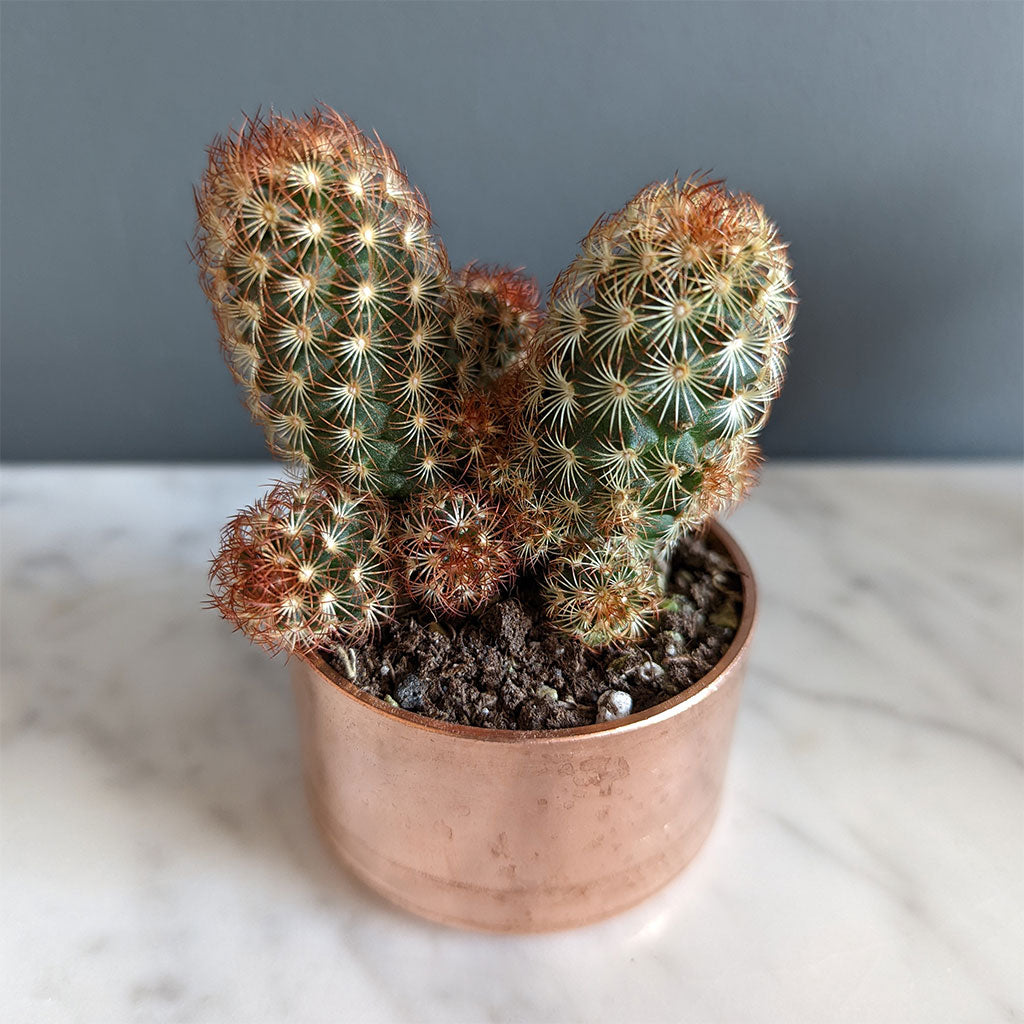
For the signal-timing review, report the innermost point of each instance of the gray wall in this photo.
(886, 140)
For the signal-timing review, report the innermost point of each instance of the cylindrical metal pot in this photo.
(519, 831)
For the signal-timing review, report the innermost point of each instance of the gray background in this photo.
(886, 141)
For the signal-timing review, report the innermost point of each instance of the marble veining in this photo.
(160, 865)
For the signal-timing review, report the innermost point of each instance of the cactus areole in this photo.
(451, 441)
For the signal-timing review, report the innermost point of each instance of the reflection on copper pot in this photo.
(519, 831)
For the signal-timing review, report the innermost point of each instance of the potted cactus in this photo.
(515, 491)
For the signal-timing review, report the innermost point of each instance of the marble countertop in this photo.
(159, 863)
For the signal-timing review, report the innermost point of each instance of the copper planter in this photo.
(519, 831)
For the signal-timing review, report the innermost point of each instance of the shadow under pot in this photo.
(513, 831)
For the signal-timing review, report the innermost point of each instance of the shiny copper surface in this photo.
(519, 831)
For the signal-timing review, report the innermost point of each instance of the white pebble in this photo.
(649, 671)
(613, 704)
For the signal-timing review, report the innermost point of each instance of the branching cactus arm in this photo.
(333, 300)
(663, 349)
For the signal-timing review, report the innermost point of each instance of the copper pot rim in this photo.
(666, 709)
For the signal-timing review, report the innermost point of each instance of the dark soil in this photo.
(507, 669)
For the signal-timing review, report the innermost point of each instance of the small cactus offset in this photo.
(303, 567)
(603, 592)
(497, 324)
(456, 550)
(447, 433)
(334, 302)
(663, 348)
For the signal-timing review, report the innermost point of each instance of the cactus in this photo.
(303, 567)
(495, 327)
(334, 303)
(588, 439)
(602, 592)
(496, 324)
(456, 550)
(662, 351)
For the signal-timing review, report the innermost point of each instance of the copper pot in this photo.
(519, 831)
